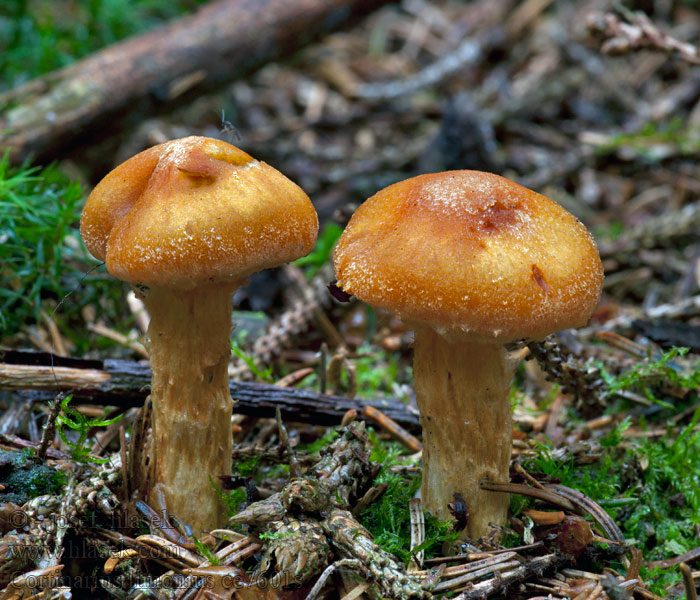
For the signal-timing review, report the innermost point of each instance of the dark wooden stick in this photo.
(50, 428)
(223, 40)
(378, 417)
(125, 383)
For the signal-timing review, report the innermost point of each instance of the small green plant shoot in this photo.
(77, 421)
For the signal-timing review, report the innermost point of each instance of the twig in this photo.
(125, 462)
(564, 497)
(340, 473)
(378, 417)
(503, 580)
(415, 507)
(294, 468)
(455, 577)
(337, 365)
(594, 593)
(357, 591)
(16, 442)
(125, 383)
(517, 488)
(50, 428)
(46, 578)
(688, 582)
(667, 563)
(625, 344)
(636, 33)
(138, 310)
(467, 53)
(371, 495)
(527, 477)
(663, 230)
(291, 379)
(103, 330)
(56, 337)
(352, 563)
(323, 368)
(169, 550)
(220, 41)
(352, 540)
(478, 555)
(685, 308)
(586, 505)
(162, 525)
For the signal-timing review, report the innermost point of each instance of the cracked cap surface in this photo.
(473, 255)
(194, 210)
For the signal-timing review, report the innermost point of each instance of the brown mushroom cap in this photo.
(472, 254)
(193, 210)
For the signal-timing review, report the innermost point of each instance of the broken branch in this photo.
(124, 383)
(221, 41)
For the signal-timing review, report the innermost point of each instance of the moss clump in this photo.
(388, 519)
(648, 486)
(41, 257)
(24, 477)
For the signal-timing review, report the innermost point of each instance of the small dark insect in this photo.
(228, 127)
(459, 511)
(337, 293)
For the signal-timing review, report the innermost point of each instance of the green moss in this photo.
(206, 552)
(660, 581)
(247, 467)
(233, 499)
(24, 477)
(664, 521)
(656, 141)
(651, 490)
(651, 486)
(376, 372)
(388, 519)
(41, 256)
(650, 376)
(276, 535)
(263, 375)
(316, 446)
(38, 36)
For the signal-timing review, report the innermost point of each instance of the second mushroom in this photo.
(186, 222)
(470, 261)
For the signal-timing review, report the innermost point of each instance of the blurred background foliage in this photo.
(38, 36)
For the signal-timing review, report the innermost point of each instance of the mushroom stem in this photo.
(462, 389)
(192, 444)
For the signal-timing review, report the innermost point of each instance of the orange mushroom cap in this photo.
(471, 254)
(193, 210)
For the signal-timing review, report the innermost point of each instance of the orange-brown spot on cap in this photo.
(199, 164)
(539, 278)
(456, 250)
(196, 209)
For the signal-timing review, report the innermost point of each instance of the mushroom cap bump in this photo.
(196, 210)
(472, 254)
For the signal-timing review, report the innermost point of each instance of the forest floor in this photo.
(590, 103)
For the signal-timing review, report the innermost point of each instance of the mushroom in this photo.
(186, 222)
(470, 261)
